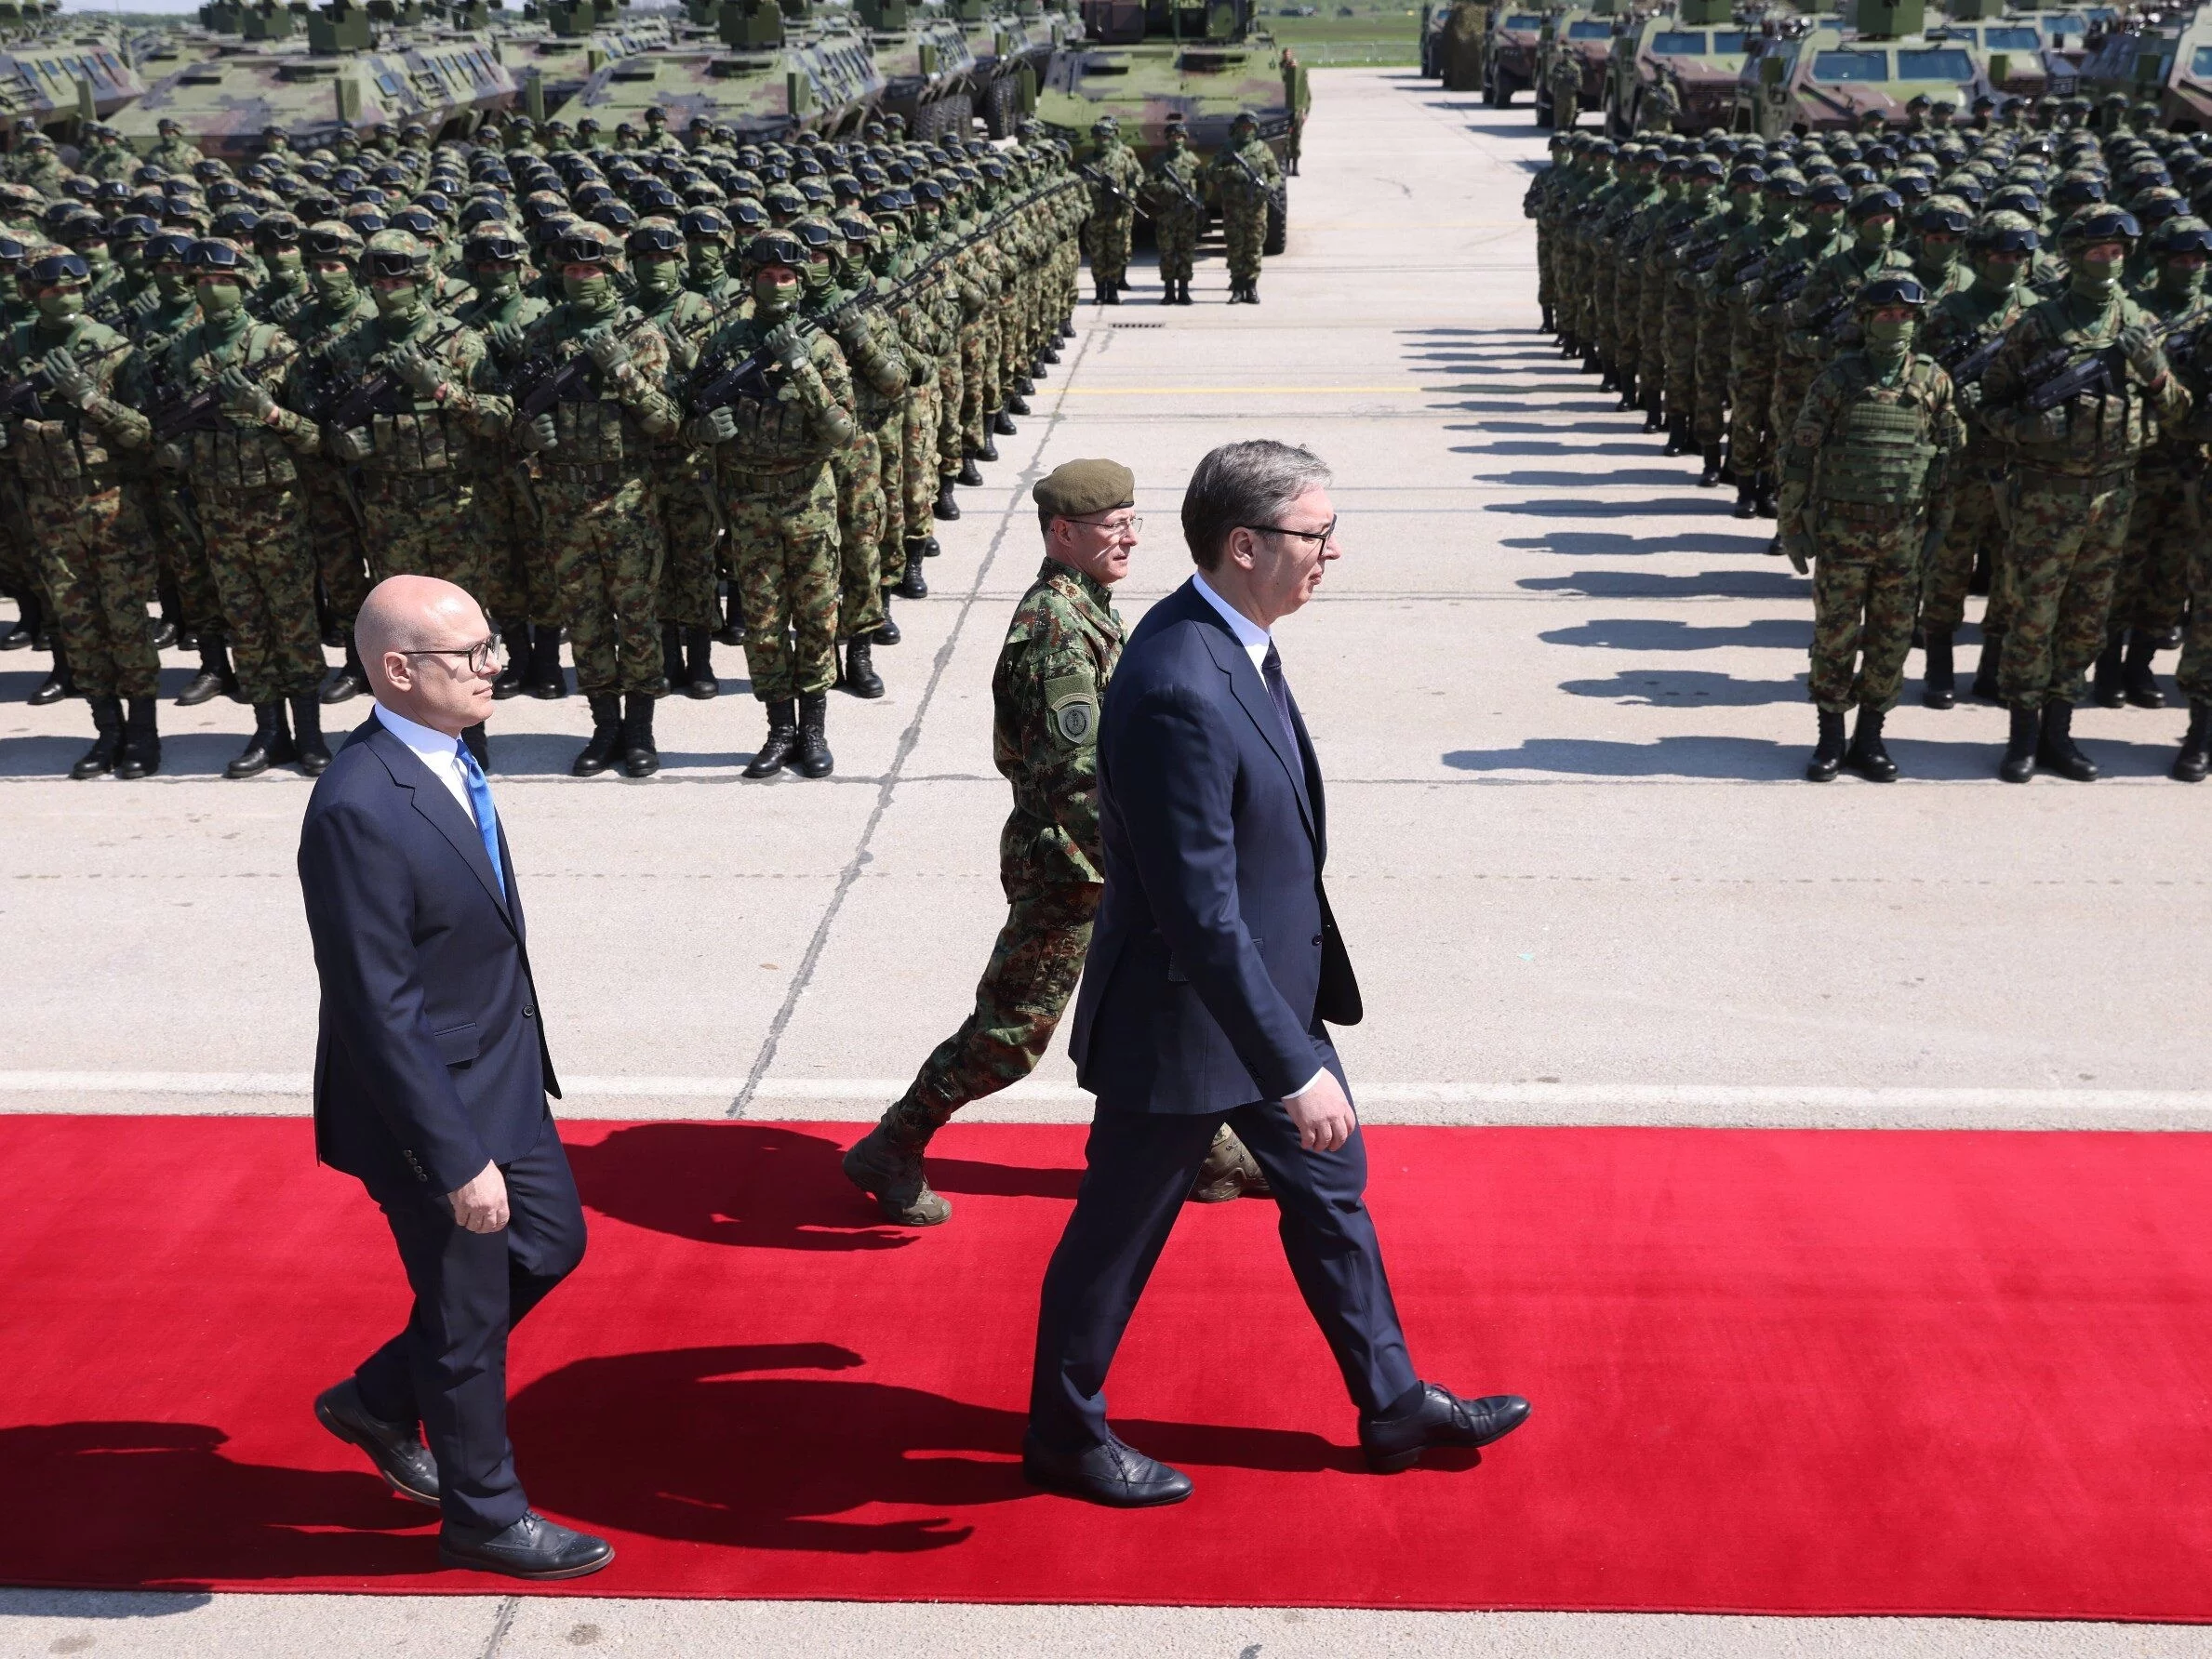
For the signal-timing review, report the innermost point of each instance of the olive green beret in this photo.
(1078, 489)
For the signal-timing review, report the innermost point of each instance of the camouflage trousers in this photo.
(1751, 416)
(858, 469)
(265, 575)
(978, 394)
(603, 538)
(690, 517)
(890, 554)
(516, 570)
(334, 535)
(178, 556)
(1106, 240)
(1566, 109)
(1679, 347)
(2062, 556)
(2194, 673)
(1176, 232)
(1794, 376)
(1709, 394)
(1866, 592)
(2152, 584)
(1243, 236)
(425, 523)
(918, 437)
(951, 388)
(1976, 528)
(98, 575)
(784, 546)
(1019, 1003)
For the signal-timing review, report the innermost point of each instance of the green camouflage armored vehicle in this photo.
(928, 65)
(1585, 34)
(1823, 78)
(57, 79)
(341, 66)
(1696, 48)
(1143, 61)
(765, 70)
(551, 56)
(2168, 63)
(1014, 45)
(1509, 58)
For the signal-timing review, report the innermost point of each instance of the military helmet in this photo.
(583, 243)
(2101, 222)
(133, 227)
(706, 224)
(746, 215)
(2184, 234)
(51, 266)
(2003, 232)
(1942, 216)
(167, 247)
(492, 242)
(654, 238)
(1897, 289)
(416, 220)
(236, 224)
(775, 247)
(393, 253)
(219, 257)
(326, 239)
(1245, 118)
(1870, 201)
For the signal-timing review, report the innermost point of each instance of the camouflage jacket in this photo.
(59, 454)
(1821, 438)
(411, 433)
(1961, 324)
(785, 428)
(626, 414)
(1114, 169)
(2088, 435)
(1839, 276)
(1060, 652)
(1249, 190)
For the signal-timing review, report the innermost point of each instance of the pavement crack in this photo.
(500, 1626)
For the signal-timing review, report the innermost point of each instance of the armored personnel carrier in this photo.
(1823, 79)
(1698, 48)
(928, 65)
(1013, 43)
(1509, 58)
(551, 57)
(1583, 33)
(342, 66)
(765, 70)
(2166, 62)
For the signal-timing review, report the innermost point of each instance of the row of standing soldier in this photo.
(1940, 361)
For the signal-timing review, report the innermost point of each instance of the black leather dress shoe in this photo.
(1118, 1476)
(1441, 1418)
(399, 1454)
(532, 1547)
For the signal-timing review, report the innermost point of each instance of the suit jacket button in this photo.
(1316, 938)
(530, 1012)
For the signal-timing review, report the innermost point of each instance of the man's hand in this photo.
(1324, 1116)
(72, 384)
(536, 435)
(244, 396)
(424, 377)
(353, 445)
(481, 1206)
(608, 351)
(782, 342)
(2144, 354)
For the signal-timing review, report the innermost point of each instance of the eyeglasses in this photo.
(482, 656)
(1132, 526)
(1320, 538)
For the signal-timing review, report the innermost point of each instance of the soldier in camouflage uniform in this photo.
(1175, 197)
(1958, 331)
(94, 565)
(1864, 497)
(869, 469)
(1698, 240)
(2073, 482)
(1751, 345)
(1115, 175)
(1564, 84)
(596, 492)
(1744, 241)
(1246, 181)
(772, 443)
(333, 308)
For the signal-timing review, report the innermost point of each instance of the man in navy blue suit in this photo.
(432, 1074)
(1213, 968)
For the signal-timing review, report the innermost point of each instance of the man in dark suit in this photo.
(1213, 967)
(432, 1074)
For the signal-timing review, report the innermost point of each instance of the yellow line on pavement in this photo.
(1207, 391)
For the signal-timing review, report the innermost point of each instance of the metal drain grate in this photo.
(1120, 325)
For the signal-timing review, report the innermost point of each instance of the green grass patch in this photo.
(1373, 35)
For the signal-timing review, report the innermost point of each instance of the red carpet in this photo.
(1790, 1372)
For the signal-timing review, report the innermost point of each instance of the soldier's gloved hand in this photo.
(506, 340)
(2050, 427)
(72, 384)
(423, 377)
(1798, 547)
(169, 456)
(1969, 395)
(608, 352)
(244, 396)
(2143, 353)
(535, 437)
(354, 444)
(716, 426)
(1790, 502)
(783, 343)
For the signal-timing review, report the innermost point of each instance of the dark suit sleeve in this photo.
(1177, 804)
(359, 894)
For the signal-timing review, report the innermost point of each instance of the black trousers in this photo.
(1140, 1167)
(447, 1368)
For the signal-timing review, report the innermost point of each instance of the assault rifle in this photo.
(2058, 377)
(174, 412)
(1115, 192)
(540, 382)
(19, 400)
(1167, 178)
(1967, 362)
(376, 393)
(1816, 324)
(1787, 281)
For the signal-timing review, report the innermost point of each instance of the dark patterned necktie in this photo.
(1271, 670)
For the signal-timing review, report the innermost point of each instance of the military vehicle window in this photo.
(1530, 23)
(1727, 40)
(1934, 63)
(2200, 65)
(2012, 40)
(1590, 29)
(1850, 66)
(390, 83)
(1687, 42)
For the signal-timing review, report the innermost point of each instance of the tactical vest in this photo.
(237, 456)
(1879, 456)
(427, 439)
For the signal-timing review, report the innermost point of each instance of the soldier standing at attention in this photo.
(1246, 179)
(1047, 691)
(1115, 177)
(1863, 494)
(1177, 204)
(1659, 107)
(1565, 85)
(175, 152)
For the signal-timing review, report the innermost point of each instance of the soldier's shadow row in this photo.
(1602, 449)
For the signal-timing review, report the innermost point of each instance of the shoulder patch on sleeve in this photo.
(1071, 705)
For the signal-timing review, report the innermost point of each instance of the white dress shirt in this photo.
(1256, 641)
(435, 749)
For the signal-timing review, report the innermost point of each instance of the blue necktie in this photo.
(487, 815)
(1271, 670)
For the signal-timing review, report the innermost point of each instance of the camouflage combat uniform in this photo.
(1246, 179)
(1115, 175)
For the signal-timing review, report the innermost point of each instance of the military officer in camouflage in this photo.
(1863, 494)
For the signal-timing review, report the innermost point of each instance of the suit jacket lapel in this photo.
(1251, 692)
(436, 804)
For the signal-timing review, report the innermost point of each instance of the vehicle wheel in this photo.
(1278, 226)
(1505, 90)
(1001, 108)
(960, 115)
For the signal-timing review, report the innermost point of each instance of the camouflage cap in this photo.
(1079, 488)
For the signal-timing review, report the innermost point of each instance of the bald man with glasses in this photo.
(1051, 678)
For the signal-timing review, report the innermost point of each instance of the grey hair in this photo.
(1252, 483)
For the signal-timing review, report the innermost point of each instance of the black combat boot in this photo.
(2195, 759)
(1067, 326)
(1712, 475)
(1977, 583)
(671, 657)
(1678, 435)
(1607, 381)
(989, 449)
(944, 507)
(1938, 678)
(887, 634)
(515, 674)
(732, 631)
(699, 663)
(814, 758)
(859, 675)
(1001, 423)
(598, 753)
(141, 741)
(2105, 687)
(547, 679)
(1747, 498)
(1868, 758)
(1827, 754)
(31, 613)
(1627, 391)
(2018, 764)
(271, 744)
(215, 677)
(1549, 326)
(912, 585)
(969, 473)
(2056, 751)
(352, 679)
(1763, 493)
(1015, 405)
(1985, 671)
(2139, 679)
(162, 630)
(107, 748)
(1182, 293)
(58, 683)
(308, 747)
(641, 758)
(1023, 386)
(777, 746)
(1252, 291)
(1101, 293)
(1653, 418)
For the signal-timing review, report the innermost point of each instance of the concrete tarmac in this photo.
(1559, 694)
